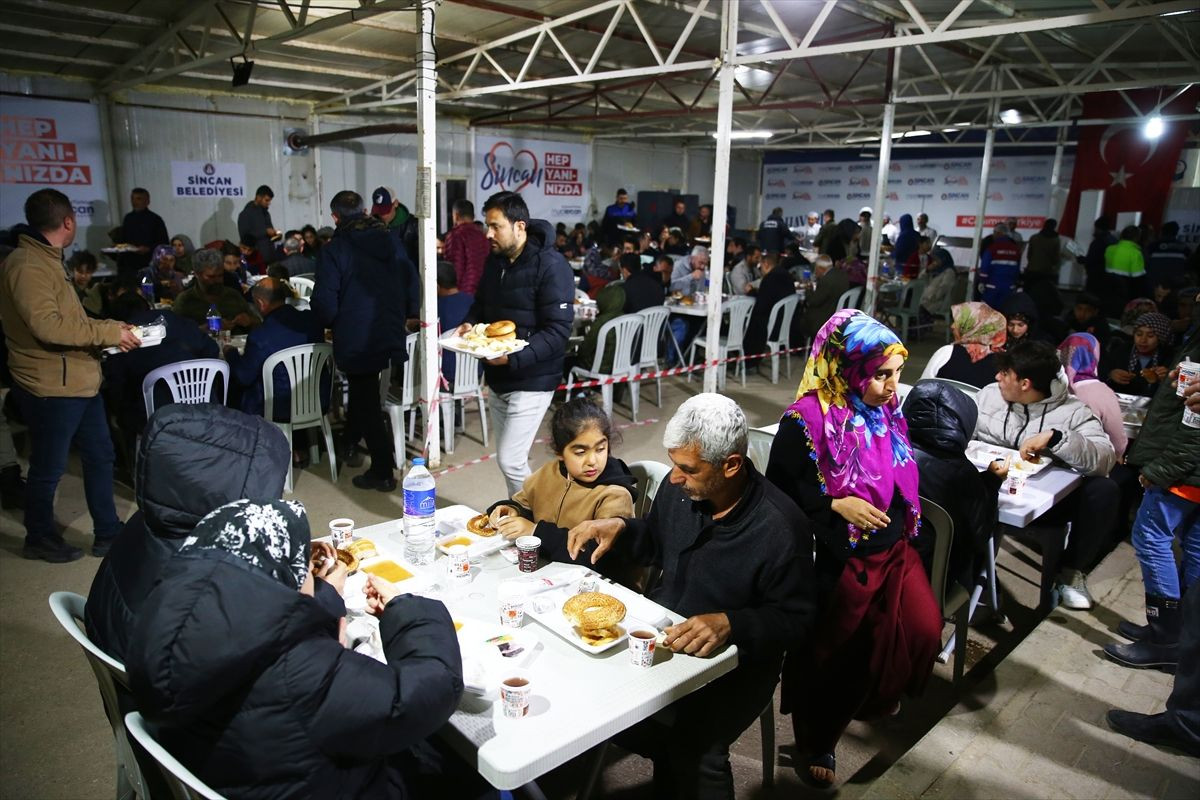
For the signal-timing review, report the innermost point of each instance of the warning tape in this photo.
(662, 373)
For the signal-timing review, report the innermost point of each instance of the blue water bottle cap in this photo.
(418, 462)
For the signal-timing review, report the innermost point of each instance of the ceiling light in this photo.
(909, 134)
(1154, 127)
(241, 72)
(747, 134)
(1010, 116)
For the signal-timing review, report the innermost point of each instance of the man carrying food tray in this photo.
(736, 560)
(527, 289)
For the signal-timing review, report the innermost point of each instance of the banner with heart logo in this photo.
(551, 176)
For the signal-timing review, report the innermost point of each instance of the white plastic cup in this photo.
(458, 564)
(1191, 418)
(641, 648)
(512, 605)
(341, 531)
(1188, 371)
(514, 694)
(1016, 481)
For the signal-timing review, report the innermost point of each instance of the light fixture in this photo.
(1154, 127)
(910, 134)
(1010, 116)
(241, 72)
(747, 134)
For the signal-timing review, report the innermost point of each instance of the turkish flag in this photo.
(1133, 170)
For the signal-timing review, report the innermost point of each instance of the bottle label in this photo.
(419, 502)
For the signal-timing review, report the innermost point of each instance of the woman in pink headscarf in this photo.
(1080, 356)
(842, 453)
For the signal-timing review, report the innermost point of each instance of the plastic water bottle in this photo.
(213, 321)
(420, 494)
(148, 289)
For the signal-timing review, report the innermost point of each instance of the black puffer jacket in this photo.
(536, 292)
(1168, 452)
(365, 289)
(941, 420)
(193, 458)
(245, 682)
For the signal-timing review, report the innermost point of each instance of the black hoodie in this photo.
(536, 292)
(941, 420)
(192, 459)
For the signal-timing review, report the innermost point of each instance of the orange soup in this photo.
(388, 570)
(464, 541)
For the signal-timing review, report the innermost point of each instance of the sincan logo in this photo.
(921, 181)
(860, 167)
(858, 195)
(778, 170)
(775, 196)
(780, 182)
(801, 196)
(1030, 179)
(956, 195)
(829, 181)
(949, 165)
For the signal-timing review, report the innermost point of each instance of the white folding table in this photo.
(579, 700)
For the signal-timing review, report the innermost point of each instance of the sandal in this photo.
(823, 761)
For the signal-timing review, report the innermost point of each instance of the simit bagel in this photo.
(501, 329)
(480, 526)
(591, 611)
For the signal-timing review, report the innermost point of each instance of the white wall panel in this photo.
(634, 167)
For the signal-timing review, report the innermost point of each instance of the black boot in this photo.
(1161, 648)
(1133, 631)
(1151, 729)
(12, 487)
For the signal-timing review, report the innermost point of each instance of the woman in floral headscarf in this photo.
(842, 453)
(162, 275)
(1138, 367)
(979, 333)
(1080, 356)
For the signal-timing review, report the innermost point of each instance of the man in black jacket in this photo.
(365, 289)
(736, 560)
(254, 221)
(527, 281)
(643, 288)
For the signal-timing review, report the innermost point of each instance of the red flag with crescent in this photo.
(1133, 170)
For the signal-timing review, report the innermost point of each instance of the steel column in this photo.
(977, 237)
(426, 191)
(881, 178)
(729, 15)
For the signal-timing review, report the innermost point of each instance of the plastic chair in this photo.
(184, 785)
(468, 384)
(902, 390)
(953, 598)
(654, 320)
(758, 448)
(305, 365)
(910, 308)
(68, 610)
(851, 298)
(785, 308)
(739, 318)
(189, 382)
(625, 328)
(649, 476)
(303, 287)
(398, 407)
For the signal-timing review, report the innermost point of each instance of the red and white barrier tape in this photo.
(662, 373)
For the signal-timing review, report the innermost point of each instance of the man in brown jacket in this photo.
(54, 357)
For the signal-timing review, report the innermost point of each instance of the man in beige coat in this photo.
(54, 356)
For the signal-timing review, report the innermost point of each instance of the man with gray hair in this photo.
(293, 260)
(690, 272)
(736, 561)
(209, 290)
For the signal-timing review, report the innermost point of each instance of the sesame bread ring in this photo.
(501, 329)
(591, 611)
(480, 526)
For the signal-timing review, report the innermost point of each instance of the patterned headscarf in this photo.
(159, 252)
(1161, 327)
(979, 328)
(272, 536)
(860, 450)
(1134, 309)
(1080, 356)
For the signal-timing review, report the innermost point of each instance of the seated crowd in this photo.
(816, 567)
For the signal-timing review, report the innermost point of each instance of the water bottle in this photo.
(213, 321)
(148, 289)
(706, 285)
(420, 493)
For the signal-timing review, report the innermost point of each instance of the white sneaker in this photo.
(1073, 591)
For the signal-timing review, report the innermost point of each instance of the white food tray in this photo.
(150, 336)
(640, 612)
(452, 523)
(459, 345)
(981, 455)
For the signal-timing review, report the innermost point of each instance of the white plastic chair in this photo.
(398, 407)
(305, 364)
(952, 599)
(851, 298)
(189, 382)
(758, 448)
(625, 328)
(303, 287)
(184, 785)
(909, 309)
(654, 320)
(468, 384)
(739, 309)
(68, 610)
(649, 476)
(785, 308)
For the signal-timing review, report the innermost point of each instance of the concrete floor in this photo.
(55, 741)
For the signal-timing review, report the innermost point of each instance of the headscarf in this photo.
(159, 252)
(1161, 326)
(860, 450)
(979, 328)
(1134, 309)
(188, 247)
(906, 241)
(942, 261)
(1080, 356)
(272, 537)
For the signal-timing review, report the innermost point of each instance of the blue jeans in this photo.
(1161, 517)
(55, 423)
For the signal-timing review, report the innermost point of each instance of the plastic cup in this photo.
(527, 553)
(458, 564)
(1016, 481)
(512, 606)
(1188, 371)
(1191, 418)
(514, 694)
(341, 531)
(641, 648)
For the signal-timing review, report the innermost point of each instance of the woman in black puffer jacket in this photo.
(236, 665)
(941, 420)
